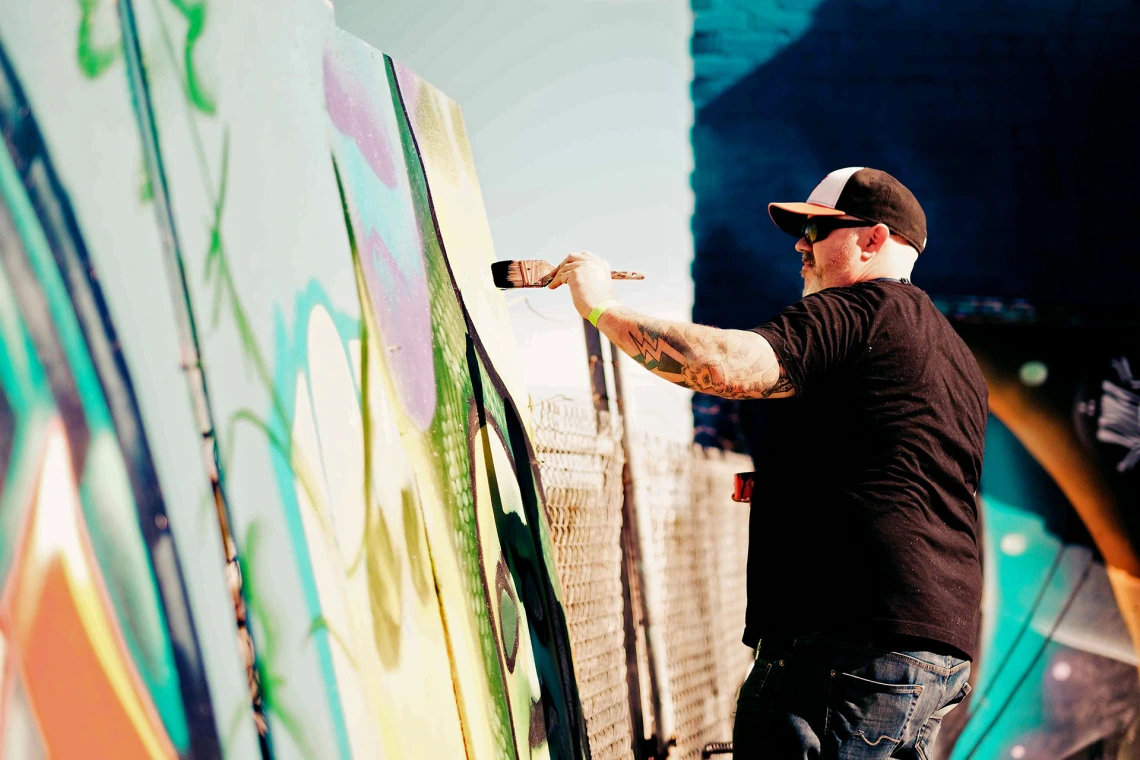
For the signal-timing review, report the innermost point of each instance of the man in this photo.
(864, 575)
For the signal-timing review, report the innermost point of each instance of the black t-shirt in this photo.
(864, 521)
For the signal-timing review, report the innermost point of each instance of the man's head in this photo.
(858, 224)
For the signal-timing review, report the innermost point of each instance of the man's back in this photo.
(864, 521)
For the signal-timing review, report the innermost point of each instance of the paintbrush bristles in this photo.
(536, 273)
(526, 273)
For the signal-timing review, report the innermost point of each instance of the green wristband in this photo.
(599, 310)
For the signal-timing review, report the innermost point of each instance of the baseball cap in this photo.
(869, 194)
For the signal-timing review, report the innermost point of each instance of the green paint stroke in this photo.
(146, 189)
(365, 411)
(215, 256)
(218, 278)
(415, 539)
(267, 646)
(195, 15)
(93, 58)
(321, 624)
(384, 590)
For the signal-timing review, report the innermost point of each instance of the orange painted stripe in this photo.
(81, 683)
(78, 711)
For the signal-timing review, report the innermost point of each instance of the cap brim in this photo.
(789, 217)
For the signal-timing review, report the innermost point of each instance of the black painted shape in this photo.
(1078, 355)
(62, 231)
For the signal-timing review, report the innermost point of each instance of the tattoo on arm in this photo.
(727, 363)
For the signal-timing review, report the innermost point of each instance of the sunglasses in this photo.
(819, 227)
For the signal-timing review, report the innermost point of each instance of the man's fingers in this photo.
(580, 256)
(560, 275)
(554, 272)
(572, 263)
(586, 256)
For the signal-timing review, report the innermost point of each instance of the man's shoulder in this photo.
(884, 289)
(868, 293)
(907, 313)
(873, 300)
(904, 298)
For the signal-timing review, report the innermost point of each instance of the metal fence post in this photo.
(639, 652)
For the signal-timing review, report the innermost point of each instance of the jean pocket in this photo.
(867, 720)
(753, 709)
(758, 677)
(928, 734)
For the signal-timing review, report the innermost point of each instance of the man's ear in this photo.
(877, 236)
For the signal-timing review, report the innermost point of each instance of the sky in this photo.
(578, 114)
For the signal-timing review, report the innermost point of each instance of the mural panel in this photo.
(92, 593)
(1057, 670)
(314, 259)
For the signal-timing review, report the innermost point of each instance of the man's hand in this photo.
(589, 280)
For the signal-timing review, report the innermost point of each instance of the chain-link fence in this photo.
(697, 539)
(726, 524)
(693, 540)
(581, 470)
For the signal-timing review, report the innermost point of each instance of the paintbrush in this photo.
(536, 273)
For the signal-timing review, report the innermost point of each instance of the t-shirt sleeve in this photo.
(818, 334)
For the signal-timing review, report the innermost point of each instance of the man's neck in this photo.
(885, 273)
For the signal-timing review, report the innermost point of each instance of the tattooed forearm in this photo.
(727, 363)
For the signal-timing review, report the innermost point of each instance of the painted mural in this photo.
(1057, 671)
(259, 404)
(981, 108)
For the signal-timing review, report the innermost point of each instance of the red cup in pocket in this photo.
(742, 487)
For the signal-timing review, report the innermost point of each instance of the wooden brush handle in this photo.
(546, 278)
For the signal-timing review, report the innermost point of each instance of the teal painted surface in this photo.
(108, 506)
(1035, 575)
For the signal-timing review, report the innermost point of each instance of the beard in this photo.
(811, 275)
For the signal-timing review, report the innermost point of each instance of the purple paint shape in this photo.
(409, 83)
(385, 224)
(400, 304)
(355, 115)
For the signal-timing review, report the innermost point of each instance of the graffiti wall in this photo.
(1057, 671)
(981, 108)
(257, 391)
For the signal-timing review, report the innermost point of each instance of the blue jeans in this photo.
(821, 699)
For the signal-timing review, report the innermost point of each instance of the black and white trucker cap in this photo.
(858, 191)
